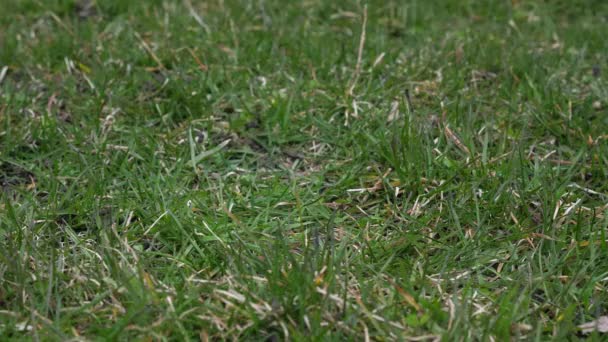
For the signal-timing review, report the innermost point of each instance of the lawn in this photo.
(303, 170)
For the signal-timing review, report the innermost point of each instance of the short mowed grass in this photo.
(303, 170)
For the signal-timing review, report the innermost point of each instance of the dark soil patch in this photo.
(13, 175)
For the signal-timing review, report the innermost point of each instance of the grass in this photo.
(254, 170)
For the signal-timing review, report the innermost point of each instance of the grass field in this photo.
(303, 170)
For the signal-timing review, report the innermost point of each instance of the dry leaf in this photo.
(599, 325)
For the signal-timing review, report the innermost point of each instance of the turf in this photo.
(303, 170)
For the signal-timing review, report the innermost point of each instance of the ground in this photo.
(303, 170)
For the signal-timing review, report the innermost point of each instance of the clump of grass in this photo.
(315, 170)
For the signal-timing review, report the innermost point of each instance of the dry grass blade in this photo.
(456, 140)
(232, 294)
(3, 73)
(600, 325)
(408, 297)
(196, 16)
(150, 51)
(355, 79)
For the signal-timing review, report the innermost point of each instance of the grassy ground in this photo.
(263, 170)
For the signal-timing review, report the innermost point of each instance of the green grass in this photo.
(170, 175)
